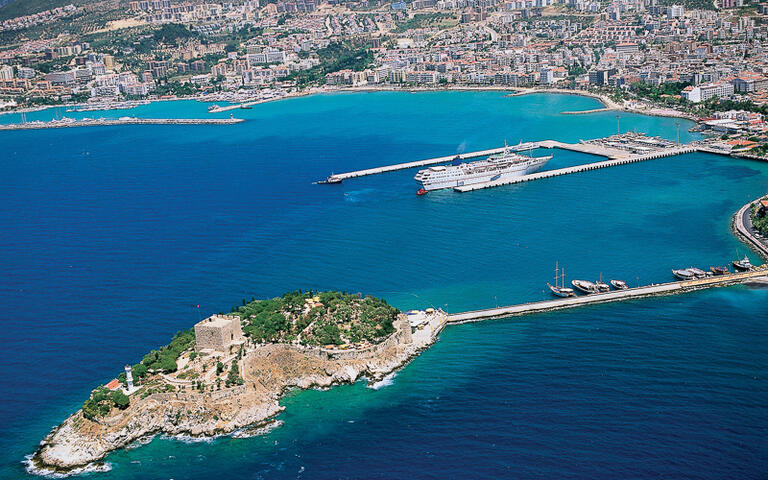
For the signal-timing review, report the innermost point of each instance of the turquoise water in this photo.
(110, 236)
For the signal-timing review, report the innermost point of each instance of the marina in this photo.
(620, 149)
(578, 168)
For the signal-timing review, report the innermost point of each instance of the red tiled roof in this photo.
(113, 384)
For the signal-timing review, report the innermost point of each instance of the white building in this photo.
(6, 72)
(706, 91)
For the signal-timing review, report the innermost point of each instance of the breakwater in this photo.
(670, 288)
(575, 169)
(103, 122)
(742, 226)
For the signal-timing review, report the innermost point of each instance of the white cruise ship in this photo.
(496, 167)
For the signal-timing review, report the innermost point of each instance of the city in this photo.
(384, 239)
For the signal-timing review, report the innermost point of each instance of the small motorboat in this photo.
(421, 191)
(684, 274)
(585, 286)
(742, 265)
(720, 270)
(561, 291)
(602, 286)
(697, 272)
(619, 284)
(331, 180)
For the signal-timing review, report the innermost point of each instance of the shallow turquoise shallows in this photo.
(109, 236)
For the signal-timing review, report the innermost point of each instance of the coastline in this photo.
(608, 104)
(270, 371)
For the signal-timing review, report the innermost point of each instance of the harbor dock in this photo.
(742, 226)
(620, 149)
(670, 288)
(575, 169)
(102, 122)
(338, 177)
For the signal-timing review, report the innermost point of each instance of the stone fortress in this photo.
(217, 333)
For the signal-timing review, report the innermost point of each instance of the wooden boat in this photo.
(684, 274)
(619, 284)
(585, 286)
(719, 270)
(560, 289)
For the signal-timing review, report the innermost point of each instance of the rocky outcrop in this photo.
(269, 371)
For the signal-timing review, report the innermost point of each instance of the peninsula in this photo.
(229, 371)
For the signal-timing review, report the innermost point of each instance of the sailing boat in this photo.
(560, 289)
(601, 285)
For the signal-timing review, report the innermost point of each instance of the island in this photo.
(230, 371)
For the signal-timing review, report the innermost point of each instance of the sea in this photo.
(111, 236)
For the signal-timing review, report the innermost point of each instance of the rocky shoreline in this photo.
(269, 371)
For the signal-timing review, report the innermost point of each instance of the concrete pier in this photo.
(576, 169)
(337, 177)
(102, 122)
(611, 296)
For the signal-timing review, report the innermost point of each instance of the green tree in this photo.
(120, 400)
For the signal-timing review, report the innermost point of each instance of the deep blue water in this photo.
(109, 236)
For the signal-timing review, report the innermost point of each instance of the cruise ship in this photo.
(496, 167)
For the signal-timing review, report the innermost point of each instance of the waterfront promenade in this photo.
(103, 122)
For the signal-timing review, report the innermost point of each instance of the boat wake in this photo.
(96, 467)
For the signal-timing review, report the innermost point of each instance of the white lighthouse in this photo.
(129, 378)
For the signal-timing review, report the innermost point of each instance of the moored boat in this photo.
(697, 272)
(601, 285)
(719, 270)
(742, 265)
(684, 274)
(585, 286)
(619, 284)
(497, 167)
(560, 289)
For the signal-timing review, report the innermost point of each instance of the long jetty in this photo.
(101, 122)
(612, 296)
(338, 177)
(576, 169)
(617, 156)
(742, 226)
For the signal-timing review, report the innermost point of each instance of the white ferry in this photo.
(496, 167)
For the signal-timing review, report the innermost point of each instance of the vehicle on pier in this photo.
(496, 167)
(684, 274)
(585, 286)
(720, 270)
(619, 284)
(560, 289)
(742, 265)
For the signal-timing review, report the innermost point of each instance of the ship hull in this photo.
(513, 171)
